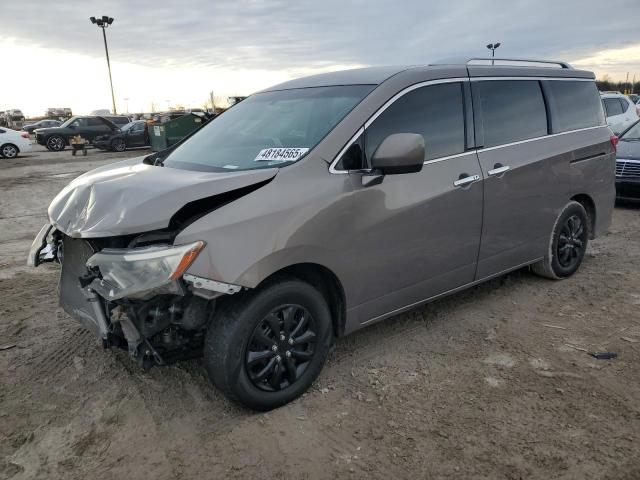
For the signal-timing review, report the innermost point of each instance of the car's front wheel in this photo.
(9, 150)
(55, 143)
(266, 347)
(567, 244)
(118, 145)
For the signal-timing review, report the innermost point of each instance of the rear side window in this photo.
(435, 111)
(512, 110)
(613, 107)
(574, 105)
(625, 104)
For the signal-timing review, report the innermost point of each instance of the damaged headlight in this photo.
(130, 272)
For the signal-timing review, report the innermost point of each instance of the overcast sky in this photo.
(176, 52)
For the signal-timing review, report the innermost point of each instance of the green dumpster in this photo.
(164, 134)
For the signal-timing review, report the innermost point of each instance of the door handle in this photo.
(498, 169)
(461, 182)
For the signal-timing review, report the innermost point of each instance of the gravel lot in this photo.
(490, 383)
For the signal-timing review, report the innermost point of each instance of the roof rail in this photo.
(516, 62)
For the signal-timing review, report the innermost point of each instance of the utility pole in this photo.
(103, 23)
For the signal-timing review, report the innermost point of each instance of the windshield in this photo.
(270, 129)
(633, 133)
(68, 122)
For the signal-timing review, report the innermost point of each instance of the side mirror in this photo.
(399, 153)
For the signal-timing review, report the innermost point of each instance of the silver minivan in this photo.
(325, 204)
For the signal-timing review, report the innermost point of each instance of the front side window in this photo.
(270, 129)
(79, 122)
(94, 122)
(512, 110)
(435, 112)
(613, 107)
(574, 105)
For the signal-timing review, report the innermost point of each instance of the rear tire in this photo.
(9, 150)
(567, 245)
(266, 347)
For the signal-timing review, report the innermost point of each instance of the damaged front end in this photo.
(133, 294)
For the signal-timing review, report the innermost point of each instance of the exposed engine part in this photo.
(96, 302)
(119, 315)
(195, 315)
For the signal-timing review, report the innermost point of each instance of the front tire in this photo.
(55, 143)
(266, 347)
(9, 150)
(118, 145)
(567, 244)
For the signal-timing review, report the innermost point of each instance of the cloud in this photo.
(306, 35)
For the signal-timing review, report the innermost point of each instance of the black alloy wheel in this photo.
(281, 348)
(118, 145)
(571, 242)
(55, 143)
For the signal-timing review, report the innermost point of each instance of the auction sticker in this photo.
(280, 154)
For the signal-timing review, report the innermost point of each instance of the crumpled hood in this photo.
(628, 150)
(133, 197)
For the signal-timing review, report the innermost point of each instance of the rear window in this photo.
(512, 110)
(574, 105)
(613, 107)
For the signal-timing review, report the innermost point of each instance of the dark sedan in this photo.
(41, 124)
(628, 164)
(133, 134)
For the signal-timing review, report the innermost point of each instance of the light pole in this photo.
(492, 47)
(103, 23)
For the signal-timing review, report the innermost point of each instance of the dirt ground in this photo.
(490, 383)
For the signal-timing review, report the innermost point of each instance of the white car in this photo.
(13, 142)
(620, 110)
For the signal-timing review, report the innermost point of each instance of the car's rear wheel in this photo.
(567, 244)
(9, 150)
(55, 143)
(267, 346)
(118, 145)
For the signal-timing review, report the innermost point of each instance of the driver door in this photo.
(419, 233)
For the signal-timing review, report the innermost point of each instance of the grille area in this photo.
(628, 169)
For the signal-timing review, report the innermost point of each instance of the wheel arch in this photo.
(326, 282)
(589, 205)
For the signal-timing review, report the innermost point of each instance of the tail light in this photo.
(25, 135)
(614, 142)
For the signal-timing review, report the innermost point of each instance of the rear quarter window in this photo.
(573, 105)
(613, 107)
(511, 110)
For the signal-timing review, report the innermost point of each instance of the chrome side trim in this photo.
(410, 88)
(572, 79)
(479, 150)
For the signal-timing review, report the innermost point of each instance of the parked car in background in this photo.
(88, 127)
(101, 111)
(325, 204)
(61, 114)
(628, 164)
(14, 118)
(13, 143)
(620, 111)
(132, 135)
(41, 124)
(634, 97)
(638, 107)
